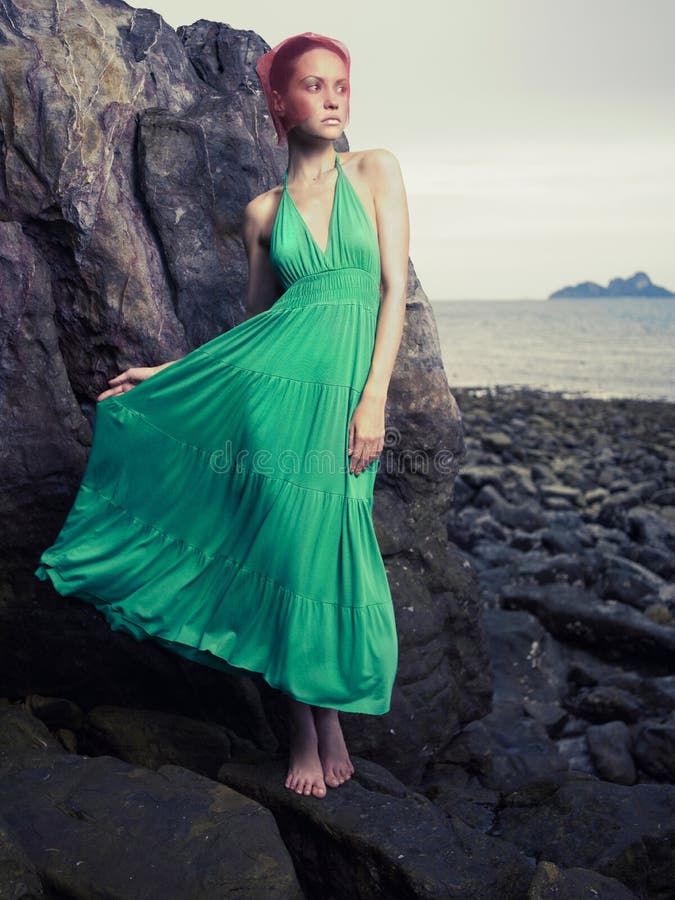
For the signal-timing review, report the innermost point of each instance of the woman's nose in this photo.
(331, 98)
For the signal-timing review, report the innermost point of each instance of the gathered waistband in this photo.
(333, 286)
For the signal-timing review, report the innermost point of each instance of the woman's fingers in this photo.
(112, 392)
(355, 464)
(121, 383)
(350, 448)
(365, 452)
(127, 380)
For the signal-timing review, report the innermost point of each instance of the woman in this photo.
(269, 568)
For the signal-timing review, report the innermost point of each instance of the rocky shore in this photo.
(565, 512)
(565, 507)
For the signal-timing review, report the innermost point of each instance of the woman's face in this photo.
(318, 89)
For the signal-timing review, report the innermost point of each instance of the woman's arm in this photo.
(263, 287)
(164, 365)
(366, 433)
(393, 228)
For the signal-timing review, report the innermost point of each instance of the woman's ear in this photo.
(279, 105)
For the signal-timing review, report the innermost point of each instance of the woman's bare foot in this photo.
(305, 772)
(337, 766)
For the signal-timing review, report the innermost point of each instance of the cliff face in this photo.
(128, 152)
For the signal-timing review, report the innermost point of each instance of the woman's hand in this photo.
(127, 380)
(366, 433)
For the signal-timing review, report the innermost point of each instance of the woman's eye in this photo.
(343, 87)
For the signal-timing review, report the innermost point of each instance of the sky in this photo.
(536, 137)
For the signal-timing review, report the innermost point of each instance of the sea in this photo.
(607, 348)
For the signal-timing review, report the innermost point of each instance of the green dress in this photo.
(217, 514)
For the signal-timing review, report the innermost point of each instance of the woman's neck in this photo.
(308, 165)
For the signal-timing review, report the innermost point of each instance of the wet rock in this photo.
(578, 615)
(496, 441)
(597, 575)
(614, 510)
(55, 712)
(621, 832)
(627, 581)
(152, 738)
(100, 826)
(604, 703)
(546, 569)
(506, 750)
(375, 838)
(19, 878)
(650, 527)
(527, 662)
(560, 540)
(610, 749)
(461, 795)
(573, 496)
(551, 882)
(655, 749)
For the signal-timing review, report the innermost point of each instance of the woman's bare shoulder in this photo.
(260, 211)
(376, 162)
(377, 170)
(260, 206)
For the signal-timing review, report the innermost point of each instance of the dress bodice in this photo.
(352, 241)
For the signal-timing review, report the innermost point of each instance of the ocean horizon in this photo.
(605, 347)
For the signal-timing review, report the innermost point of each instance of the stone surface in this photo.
(627, 833)
(610, 749)
(613, 629)
(575, 883)
(655, 748)
(94, 827)
(19, 878)
(374, 838)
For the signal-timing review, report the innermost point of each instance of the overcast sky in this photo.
(536, 137)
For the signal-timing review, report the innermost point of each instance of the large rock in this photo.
(129, 152)
(374, 838)
(552, 883)
(94, 827)
(627, 833)
(612, 629)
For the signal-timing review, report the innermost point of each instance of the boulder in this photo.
(93, 827)
(621, 832)
(374, 838)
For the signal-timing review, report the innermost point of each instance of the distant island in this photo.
(640, 285)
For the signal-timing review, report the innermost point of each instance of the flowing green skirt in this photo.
(217, 514)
